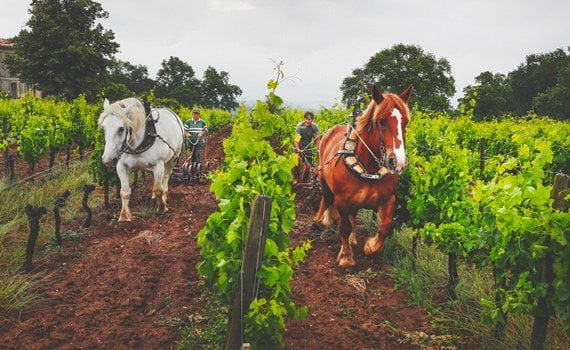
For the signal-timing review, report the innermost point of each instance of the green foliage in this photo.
(216, 119)
(216, 90)
(541, 83)
(177, 80)
(394, 69)
(252, 167)
(64, 51)
(538, 74)
(555, 102)
(128, 77)
(38, 125)
(490, 95)
(500, 217)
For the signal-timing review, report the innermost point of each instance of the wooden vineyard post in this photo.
(544, 304)
(34, 215)
(87, 189)
(59, 203)
(453, 276)
(252, 260)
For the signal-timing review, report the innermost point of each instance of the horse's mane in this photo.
(134, 120)
(375, 113)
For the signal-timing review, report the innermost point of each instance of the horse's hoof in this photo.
(352, 239)
(346, 261)
(372, 246)
(125, 219)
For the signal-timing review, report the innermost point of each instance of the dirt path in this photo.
(131, 285)
(126, 285)
(348, 309)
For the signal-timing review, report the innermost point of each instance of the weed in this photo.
(424, 278)
(346, 311)
(205, 332)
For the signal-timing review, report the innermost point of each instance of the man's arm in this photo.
(297, 138)
(204, 130)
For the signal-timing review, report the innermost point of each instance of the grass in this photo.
(17, 292)
(425, 286)
(208, 331)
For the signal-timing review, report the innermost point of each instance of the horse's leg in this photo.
(157, 189)
(352, 238)
(167, 172)
(345, 256)
(123, 174)
(375, 243)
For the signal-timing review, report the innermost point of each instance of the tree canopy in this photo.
(541, 83)
(491, 94)
(537, 75)
(176, 79)
(64, 51)
(394, 69)
(216, 90)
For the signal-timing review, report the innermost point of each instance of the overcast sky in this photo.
(321, 41)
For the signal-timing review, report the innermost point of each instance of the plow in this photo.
(189, 171)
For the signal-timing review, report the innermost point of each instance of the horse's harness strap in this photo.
(149, 138)
(348, 153)
(150, 134)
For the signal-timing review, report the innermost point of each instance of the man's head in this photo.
(309, 116)
(196, 114)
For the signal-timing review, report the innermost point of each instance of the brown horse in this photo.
(359, 169)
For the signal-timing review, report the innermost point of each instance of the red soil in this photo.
(129, 285)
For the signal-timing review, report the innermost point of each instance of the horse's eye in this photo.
(383, 122)
(121, 129)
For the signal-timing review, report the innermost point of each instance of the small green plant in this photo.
(205, 332)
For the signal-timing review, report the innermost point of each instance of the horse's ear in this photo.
(377, 94)
(105, 104)
(128, 108)
(405, 95)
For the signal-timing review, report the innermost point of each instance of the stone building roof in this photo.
(6, 43)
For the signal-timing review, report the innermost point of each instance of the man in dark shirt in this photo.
(196, 130)
(306, 132)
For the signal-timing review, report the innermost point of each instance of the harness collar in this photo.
(348, 153)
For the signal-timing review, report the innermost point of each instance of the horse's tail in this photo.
(327, 214)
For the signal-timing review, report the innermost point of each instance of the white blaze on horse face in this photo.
(399, 150)
(114, 138)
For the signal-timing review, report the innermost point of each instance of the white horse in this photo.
(127, 145)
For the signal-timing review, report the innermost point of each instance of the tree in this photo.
(394, 69)
(176, 79)
(64, 52)
(491, 94)
(217, 92)
(133, 77)
(555, 102)
(538, 74)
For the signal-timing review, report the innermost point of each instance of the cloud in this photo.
(230, 5)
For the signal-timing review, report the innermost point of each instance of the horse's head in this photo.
(117, 127)
(389, 115)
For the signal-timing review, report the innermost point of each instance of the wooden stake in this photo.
(87, 189)
(34, 215)
(59, 203)
(252, 260)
